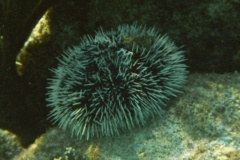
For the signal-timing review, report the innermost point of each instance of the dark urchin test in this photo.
(115, 81)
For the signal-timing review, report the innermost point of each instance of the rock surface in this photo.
(202, 124)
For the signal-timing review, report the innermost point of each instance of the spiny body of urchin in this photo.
(115, 80)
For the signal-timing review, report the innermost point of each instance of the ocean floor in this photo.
(202, 124)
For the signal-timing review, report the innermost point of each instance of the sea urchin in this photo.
(115, 80)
